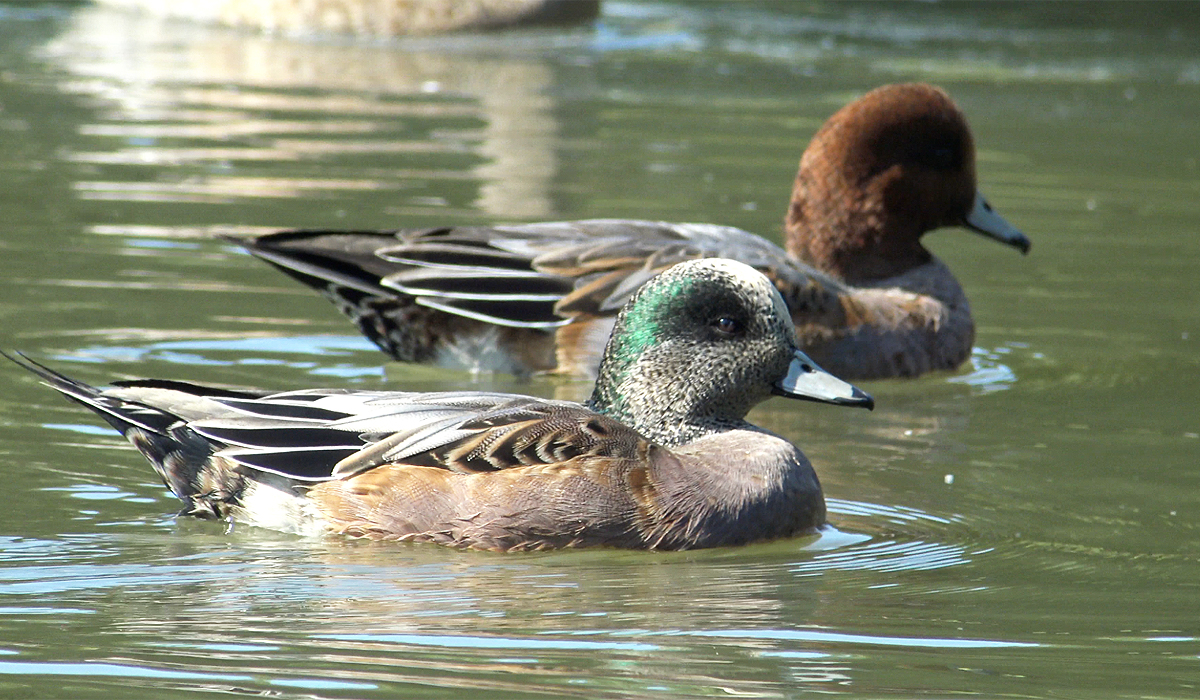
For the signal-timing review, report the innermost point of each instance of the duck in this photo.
(661, 457)
(869, 301)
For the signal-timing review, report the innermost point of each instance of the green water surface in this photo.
(1026, 527)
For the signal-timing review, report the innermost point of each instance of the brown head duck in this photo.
(868, 299)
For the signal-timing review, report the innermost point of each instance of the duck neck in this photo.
(659, 420)
(665, 411)
(859, 244)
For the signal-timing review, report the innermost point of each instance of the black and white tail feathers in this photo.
(177, 453)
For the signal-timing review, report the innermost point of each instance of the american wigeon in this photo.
(868, 300)
(660, 457)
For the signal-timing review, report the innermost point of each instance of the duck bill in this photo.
(805, 380)
(985, 220)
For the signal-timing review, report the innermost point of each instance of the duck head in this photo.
(701, 344)
(881, 172)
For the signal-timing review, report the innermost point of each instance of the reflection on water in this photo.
(988, 372)
(157, 78)
(394, 614)
(371, 18)
(218, 349)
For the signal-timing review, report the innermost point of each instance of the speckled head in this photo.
(698, 346)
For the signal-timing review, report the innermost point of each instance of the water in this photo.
(1026, 527)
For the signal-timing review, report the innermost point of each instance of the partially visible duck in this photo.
(868, 300)
(661, 456)
(370, 18)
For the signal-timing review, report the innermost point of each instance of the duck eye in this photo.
(727, 325)
(942, 158)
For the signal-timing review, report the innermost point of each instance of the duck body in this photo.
(619, 491)
(542, 297)
(867, 299)
(657, 459)
(904, 326)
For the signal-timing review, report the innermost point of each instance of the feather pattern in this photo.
(528, 280)
(580, 267)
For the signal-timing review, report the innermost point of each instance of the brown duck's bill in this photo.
(805, 380)
(985, 220)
